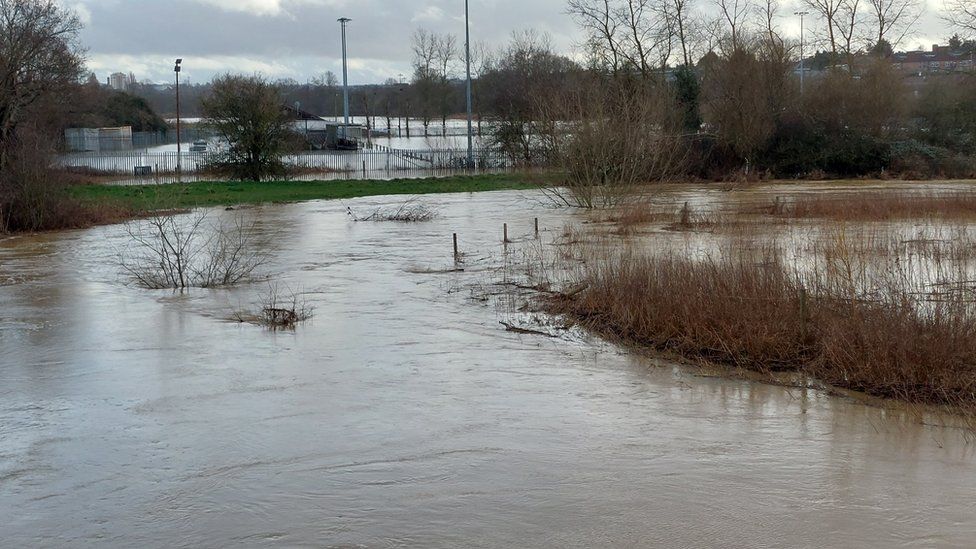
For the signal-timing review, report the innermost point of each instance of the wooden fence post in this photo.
(803, 314)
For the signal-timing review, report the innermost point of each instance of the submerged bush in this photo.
(184, 251)
(410, 211)
(279, 310)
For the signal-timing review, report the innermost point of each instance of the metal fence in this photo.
(101, 141)
(378, 162)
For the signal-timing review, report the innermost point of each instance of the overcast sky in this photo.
(300, 38)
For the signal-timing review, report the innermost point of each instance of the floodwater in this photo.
(405, 415)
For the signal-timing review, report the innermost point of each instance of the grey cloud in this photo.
(300, 38)
(303, 30)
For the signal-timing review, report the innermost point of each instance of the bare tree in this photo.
(599, 22)
(483, 61)
(962, 14)
(680, 14)
(432, 58)
(446, 52)
(185, 251)
(621, 139)
(829, 10)
(526, 76)
(635, 18)
(39, 61)
(769, 13)
(712, 34)
(424, 76)
(744, 94)
(446, 48)
(735, 14)
(849, 20)
(636, 36)
(894, 19)
(424, 51)
(39, 56)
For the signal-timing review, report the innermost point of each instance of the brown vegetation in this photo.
(633, 215)
(33, 197)
(844, 326)
(873, 206)
(410, 211)
(623, 136)
(39, 59)
(278, 311)
(178, 252)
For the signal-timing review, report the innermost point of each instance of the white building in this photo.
(119, 81)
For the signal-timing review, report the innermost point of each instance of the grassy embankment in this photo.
(144, 198)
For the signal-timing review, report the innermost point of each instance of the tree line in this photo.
(721, 97)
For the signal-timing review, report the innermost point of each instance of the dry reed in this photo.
(873, 206)
(891, 331)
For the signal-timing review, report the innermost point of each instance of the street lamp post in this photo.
(400, 107)
(345, 75)
(467, 52)
(802, 55)
(179, 142)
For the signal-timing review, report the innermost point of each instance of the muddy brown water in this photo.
(404, 415)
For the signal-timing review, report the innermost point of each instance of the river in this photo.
(404, 415)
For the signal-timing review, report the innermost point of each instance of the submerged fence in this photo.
(377, 162)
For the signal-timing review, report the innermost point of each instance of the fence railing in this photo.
(376, 162)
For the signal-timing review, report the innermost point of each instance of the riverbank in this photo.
(144, 198)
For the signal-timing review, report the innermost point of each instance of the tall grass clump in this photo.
(885, 331)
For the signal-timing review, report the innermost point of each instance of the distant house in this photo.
(345, 137)
(940, 59)
(325, 134)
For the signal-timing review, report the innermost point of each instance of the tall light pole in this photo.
(400, 107)
(802, 55)
(345, 75)
(467, 55)
(179, 143)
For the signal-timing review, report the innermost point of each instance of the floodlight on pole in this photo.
(179, 143)
(467, 52)
(802, 54)
(345, 73)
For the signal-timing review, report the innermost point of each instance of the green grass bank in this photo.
(227, 193)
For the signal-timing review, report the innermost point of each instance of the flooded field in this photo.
(404, 415)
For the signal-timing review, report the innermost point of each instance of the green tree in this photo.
(247, 112)
(687, 91)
